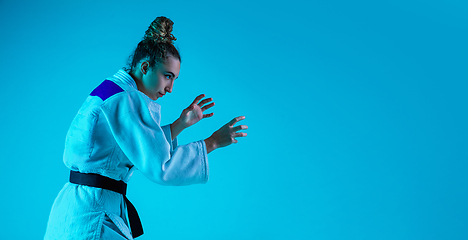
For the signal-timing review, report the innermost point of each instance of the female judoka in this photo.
(117, 131)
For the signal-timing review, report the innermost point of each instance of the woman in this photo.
(117, 131)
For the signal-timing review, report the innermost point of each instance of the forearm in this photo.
(176, 128)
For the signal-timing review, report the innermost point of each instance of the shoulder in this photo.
(106, 90)
(112, 96)
(115, 96)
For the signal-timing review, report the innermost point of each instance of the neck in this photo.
(137, 78)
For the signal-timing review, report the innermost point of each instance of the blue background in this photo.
(357, 114)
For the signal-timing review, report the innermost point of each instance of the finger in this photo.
(207, 106)
(237, 119)
(205, 101)
(197, 99)
(240, 127)
(208, 115)
(241, 134)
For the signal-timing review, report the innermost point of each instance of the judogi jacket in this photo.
(116, 131)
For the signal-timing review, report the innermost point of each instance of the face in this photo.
(158, 80)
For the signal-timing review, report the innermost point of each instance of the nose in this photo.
(169, 88)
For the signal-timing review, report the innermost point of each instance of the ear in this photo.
(144, 67)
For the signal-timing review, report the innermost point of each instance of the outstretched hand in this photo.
(194, 113)
(226, 135)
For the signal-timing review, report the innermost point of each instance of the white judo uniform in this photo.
(116, 131)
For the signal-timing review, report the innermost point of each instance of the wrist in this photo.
(210, 145)
(178, 125)
(176, 128)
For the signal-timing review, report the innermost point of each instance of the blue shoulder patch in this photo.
(106, 90)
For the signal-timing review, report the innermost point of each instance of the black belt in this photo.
(96, 180)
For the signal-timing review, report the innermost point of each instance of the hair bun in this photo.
(160, 30)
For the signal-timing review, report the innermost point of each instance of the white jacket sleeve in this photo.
(150, 147)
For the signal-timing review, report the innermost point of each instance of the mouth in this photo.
(160, 95)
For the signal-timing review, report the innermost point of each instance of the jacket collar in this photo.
(123, 76)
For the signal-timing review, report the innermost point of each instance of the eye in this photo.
(168, 77)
